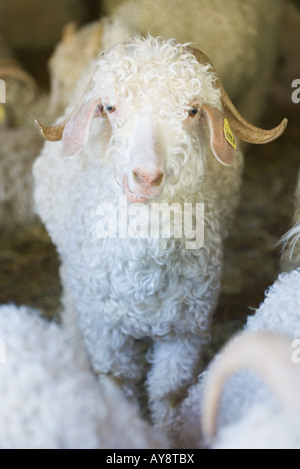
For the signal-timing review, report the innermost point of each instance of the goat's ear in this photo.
(222, 141)
(76, 130)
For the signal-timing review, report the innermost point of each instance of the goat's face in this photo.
(150, 148)
(164, 107)
(153, 96)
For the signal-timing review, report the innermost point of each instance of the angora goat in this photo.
(249, 415)
(149, 129)
(50, 399)
(271, 419)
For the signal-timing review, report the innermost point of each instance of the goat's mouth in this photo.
(134, 198)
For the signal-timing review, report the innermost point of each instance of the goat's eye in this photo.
(193, 111)
(110, 109)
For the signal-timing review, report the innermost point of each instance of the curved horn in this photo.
(11, 69)
(55, 133)
(242, 128)
(268, 355)
(68, 33)
(93, 43)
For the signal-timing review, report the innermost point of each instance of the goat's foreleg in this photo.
(175, 367)
(119, 357)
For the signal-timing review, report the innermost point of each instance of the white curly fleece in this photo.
(247, 401)
(49, 397)
(280, 311)
(125, 289)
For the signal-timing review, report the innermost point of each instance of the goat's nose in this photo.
(148, 178)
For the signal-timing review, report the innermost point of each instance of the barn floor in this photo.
(29, 264)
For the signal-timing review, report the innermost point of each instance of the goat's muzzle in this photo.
(142, 186)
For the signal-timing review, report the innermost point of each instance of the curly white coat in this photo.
(122, 290)
(250, 415)
(49, 397)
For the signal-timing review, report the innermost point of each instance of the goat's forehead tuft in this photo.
(157, 68)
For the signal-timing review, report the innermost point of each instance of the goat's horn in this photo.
(241, 127)
(93, 43)
(68, 33)
(55, 133)
(10, 69)
(264, 353)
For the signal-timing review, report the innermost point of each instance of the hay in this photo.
(29, 270)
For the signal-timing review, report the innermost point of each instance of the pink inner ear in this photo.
(220, 147)
(76, 131)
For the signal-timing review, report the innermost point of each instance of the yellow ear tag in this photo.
(2, 114)
(229, 135)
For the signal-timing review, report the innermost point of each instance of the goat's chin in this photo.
(137, 198)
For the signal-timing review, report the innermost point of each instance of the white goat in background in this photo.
(242, 40)
(150, 126)
(259, 380)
